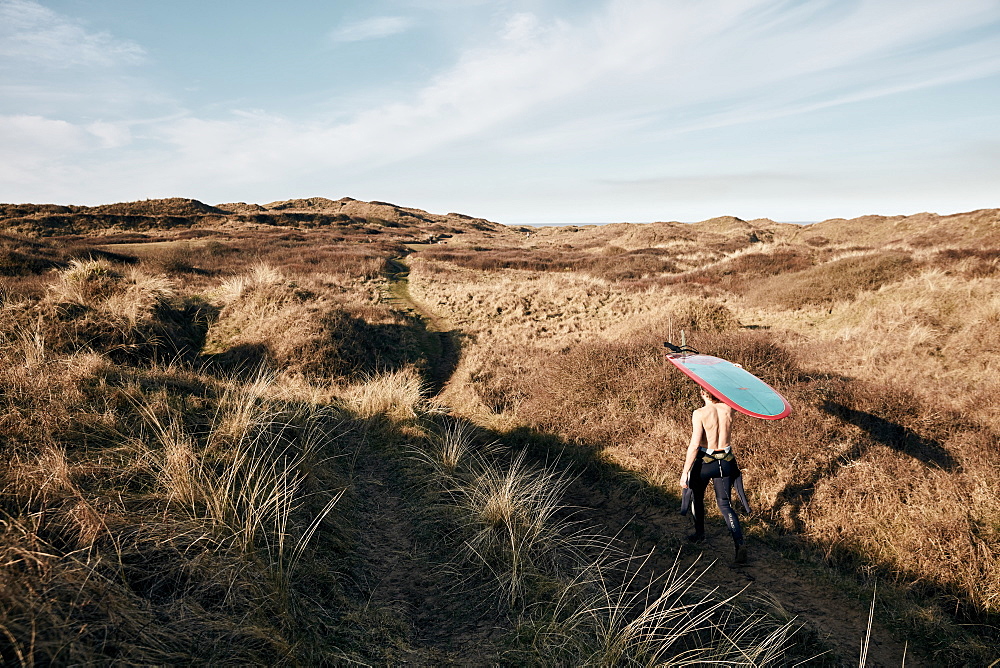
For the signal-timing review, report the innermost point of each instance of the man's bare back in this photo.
(711, 425)
(716, 421)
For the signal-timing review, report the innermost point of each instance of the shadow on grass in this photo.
(902, 439)
(643, 519)
(880, 431)
(348, 347)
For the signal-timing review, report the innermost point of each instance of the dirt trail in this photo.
(839, 620)
(442, 340)
(405, 586)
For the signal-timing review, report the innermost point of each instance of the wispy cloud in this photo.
(642, 73)
(32, 33)
(372, 28)
(59, 69)
(661, 67)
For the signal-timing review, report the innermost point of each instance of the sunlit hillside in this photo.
(882, 332)
(344, 432)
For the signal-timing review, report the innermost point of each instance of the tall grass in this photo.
(123, 312)
(512, 522)
(450, 446)
(513, 527)
(249, 481)
(309, 325)
(607, 617)
(394, 394)
(579, 599)
(152, 513)
(101, 542)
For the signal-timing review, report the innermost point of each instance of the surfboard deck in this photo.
(734, 385)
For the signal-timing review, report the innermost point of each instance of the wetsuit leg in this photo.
(698, 483)
(721, 474)
(723, 496)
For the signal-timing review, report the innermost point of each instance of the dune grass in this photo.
(182, 446)
(887, 358)
(186, 429)
(156, 507)
(577, 596)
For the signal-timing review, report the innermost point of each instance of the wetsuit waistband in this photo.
(717, 455)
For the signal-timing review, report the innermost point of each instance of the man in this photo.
(710, 458)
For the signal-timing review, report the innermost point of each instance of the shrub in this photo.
(759, 352)
(177, 259)
(739, 272)
(703, 315)
(837, 280)
(604, 393)
(614, 266)
(970, 262)
(309, 327)
(125, 313)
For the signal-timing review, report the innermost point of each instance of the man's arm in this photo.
(696, 433)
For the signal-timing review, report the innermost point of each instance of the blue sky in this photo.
(518, 111)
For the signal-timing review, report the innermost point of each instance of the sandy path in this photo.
(442, 340)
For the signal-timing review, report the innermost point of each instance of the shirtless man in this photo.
(710, 457)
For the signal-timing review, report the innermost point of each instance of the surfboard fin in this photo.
(679, 349)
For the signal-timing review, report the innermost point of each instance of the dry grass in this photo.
(164, 500)
(513, 528)
(580, 600)
(124, 312)
(553, 309)
(605, 617)
(396, 394)
(741, 270)
(834, 281)
(102, 542)
(248, 485)
(613, 264)
(315, 326)
(887, 357)
(152, 513)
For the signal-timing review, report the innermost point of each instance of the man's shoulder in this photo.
(705, 413)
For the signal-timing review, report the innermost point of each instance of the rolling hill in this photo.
(161, 217)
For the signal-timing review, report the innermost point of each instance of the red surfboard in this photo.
(733, 385)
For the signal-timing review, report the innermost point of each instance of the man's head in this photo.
(707, 396)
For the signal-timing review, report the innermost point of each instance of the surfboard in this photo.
(734, 385)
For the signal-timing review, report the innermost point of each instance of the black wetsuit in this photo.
(723, 474)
